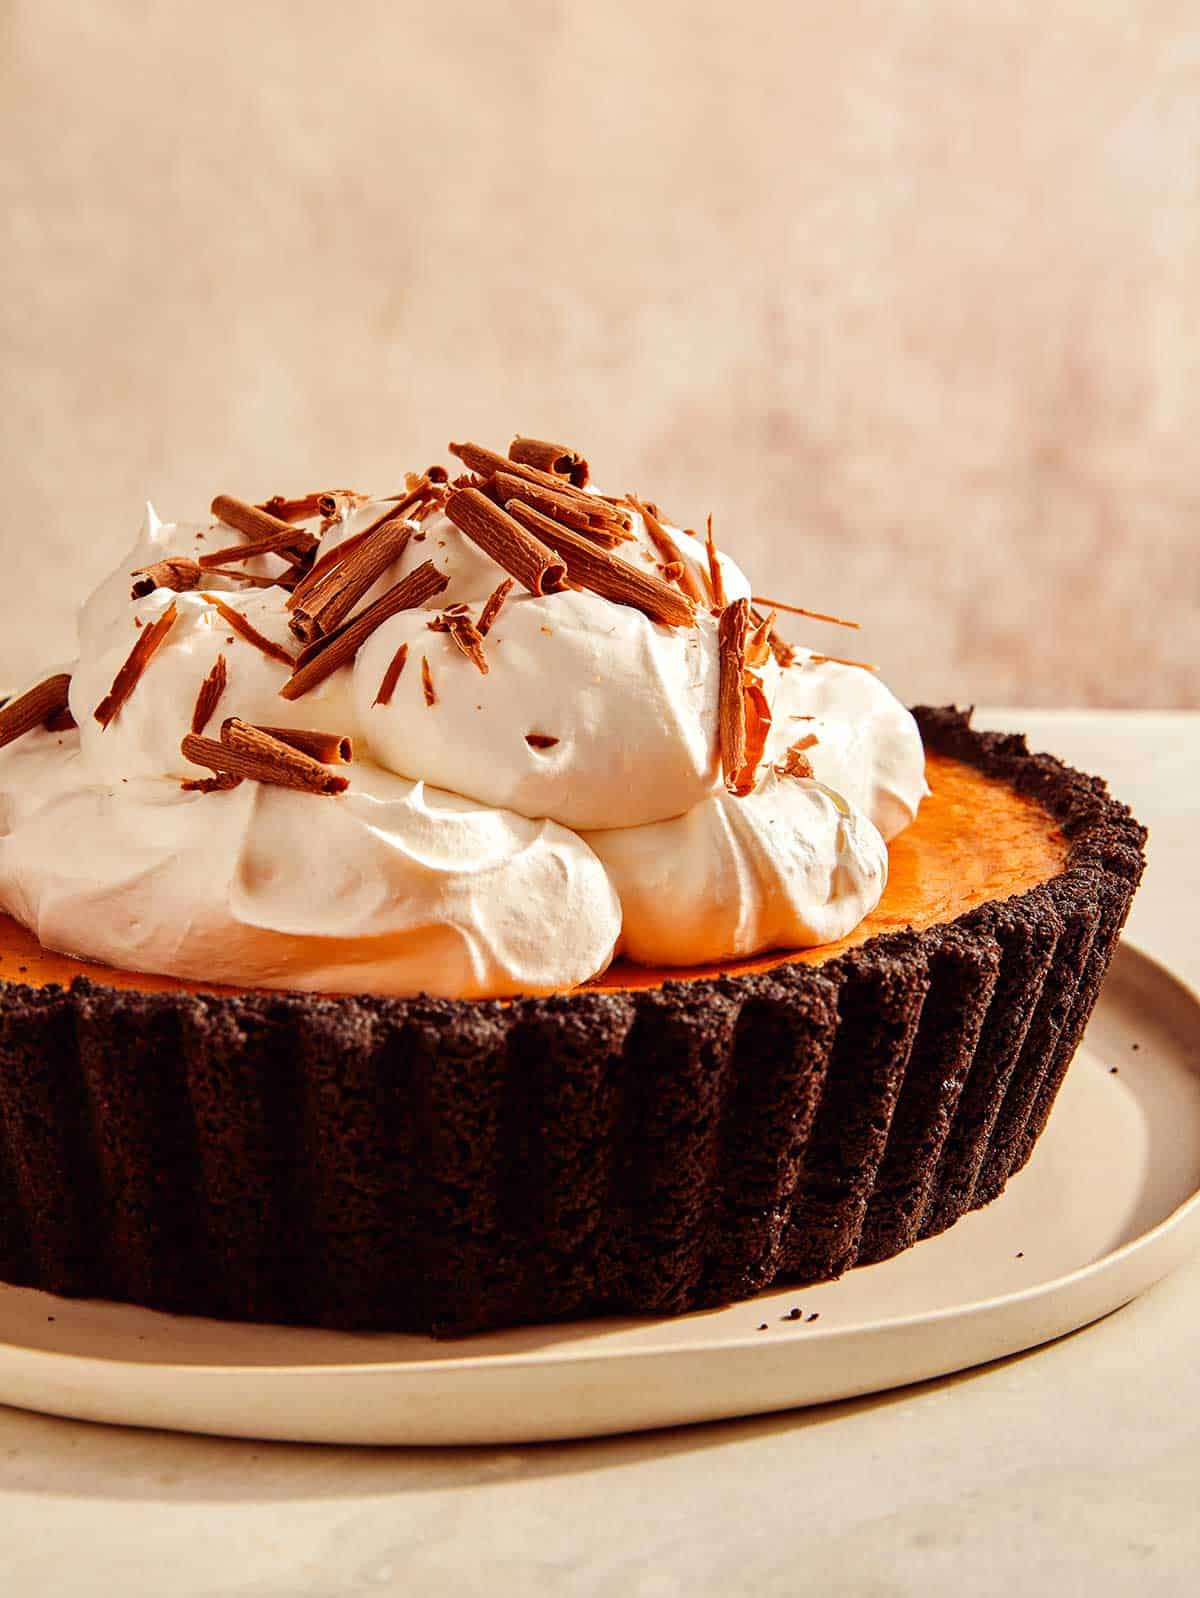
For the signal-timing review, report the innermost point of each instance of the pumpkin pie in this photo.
(263, 1137)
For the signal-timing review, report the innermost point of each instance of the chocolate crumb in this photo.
(794, 1314)
(815, 1316)
(1113, 1069)
(540, 740)
(763, 1327)
(1021, 1255)
(1135, 1047)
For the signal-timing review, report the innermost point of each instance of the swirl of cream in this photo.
(791, 865)
(621, 711)
(393, 888)
(867, 747)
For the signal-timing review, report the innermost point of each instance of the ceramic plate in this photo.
(1108, 1205)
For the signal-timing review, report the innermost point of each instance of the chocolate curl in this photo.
(509, 544)
(323, 658)
(556, 459)
(244, 751)
(176, 572)
(604, 574)
(41, 705)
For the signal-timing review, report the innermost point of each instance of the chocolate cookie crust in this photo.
(450, 1166)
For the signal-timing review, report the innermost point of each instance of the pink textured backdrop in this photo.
(908, 294)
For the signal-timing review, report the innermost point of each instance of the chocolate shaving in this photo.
(221, 783)
(269, 535)
(744, 715)
(585, 513)
(391, 677)
(330, 748)
(418, 491)
(336, 505)
(322, 659)
(209, 696)
(139, 658)
(491, 609)
(61, 721)
(282, 544)
(290, 510)
(176, 572)
(604, 574)
(329, 562)
(797, 610)
(758, 646)
(716, 578)
(322, 502)
(464, 635)
(540, 740)
(840, 660)
(506, 540)
(795, 762)
(785, 654)
(247, 630)
(284, 580)
(556, 459)
(38, 708)
(401, 509)
(486, 463)
(244, 751)
(324, 608)
(427, 682)
(667, 548)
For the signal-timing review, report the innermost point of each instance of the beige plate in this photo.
(1108, 1205)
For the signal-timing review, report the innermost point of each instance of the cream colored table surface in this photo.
(1071, 1470)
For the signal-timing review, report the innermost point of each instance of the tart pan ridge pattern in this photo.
(451, 1166)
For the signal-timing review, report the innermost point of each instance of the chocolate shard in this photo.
(148, 642)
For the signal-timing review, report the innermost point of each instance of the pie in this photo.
(281, 1144)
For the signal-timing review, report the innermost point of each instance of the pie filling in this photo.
(974, 840)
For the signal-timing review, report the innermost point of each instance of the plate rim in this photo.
(1179, 1218)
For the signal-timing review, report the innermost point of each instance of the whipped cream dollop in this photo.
(500, 833)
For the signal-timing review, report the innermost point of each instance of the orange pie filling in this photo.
(974, 840)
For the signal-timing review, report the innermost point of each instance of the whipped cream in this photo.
(789, 866)
(632, 706)
(508, 833)
(398, 888)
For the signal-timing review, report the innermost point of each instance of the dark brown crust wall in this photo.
(428, 1165)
